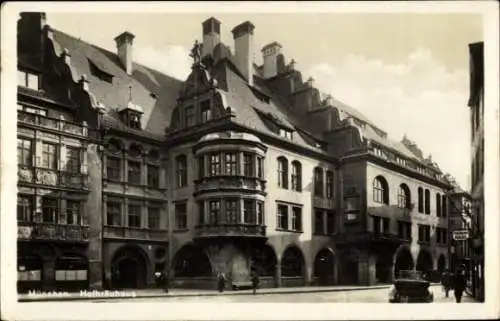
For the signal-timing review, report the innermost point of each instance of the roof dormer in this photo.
(28, 79)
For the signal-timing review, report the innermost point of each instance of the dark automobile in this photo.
(410, 286)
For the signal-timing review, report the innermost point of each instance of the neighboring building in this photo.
(476, 104)
(58, 175)
(244, 168)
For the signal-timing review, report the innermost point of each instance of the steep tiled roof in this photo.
(249, 108)
(154, 92)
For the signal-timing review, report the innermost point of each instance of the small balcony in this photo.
(134, 233)
(230, 231)
(229, 183)
(55, 124)
(31, 231)
(52, 177)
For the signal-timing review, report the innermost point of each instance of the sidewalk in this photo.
(156, 293)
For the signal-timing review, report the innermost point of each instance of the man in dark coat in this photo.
(446, 282)
(459, 284)
(255, 282)
(221, 281)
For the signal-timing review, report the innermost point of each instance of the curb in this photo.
(168, 295)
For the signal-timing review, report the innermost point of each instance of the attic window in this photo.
(100, 73)
(131, 118)
(28, 80)
(286, 133)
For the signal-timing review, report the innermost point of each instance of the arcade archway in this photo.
(129, 268)
(264, 261)
(349, 268)
(441, 263)
(424, 261)
(383, 268)
(404, 261)
(324, 267)
(191, 261)
(292, 263)
(29, 273)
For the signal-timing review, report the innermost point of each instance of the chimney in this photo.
(31, 37)
(211, 35)
(124, 44)
(243, 49)
(270, 54)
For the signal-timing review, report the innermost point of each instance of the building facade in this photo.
(476, 105)
(241, 168)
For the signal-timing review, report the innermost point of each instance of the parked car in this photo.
(410, 286)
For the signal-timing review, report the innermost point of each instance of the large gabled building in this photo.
(244, 168)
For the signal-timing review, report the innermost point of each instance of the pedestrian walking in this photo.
(255, 283)
(459, 284)
(166, 281)
(446, 282)
(158, 279)
(221, 281)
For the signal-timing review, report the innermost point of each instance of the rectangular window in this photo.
(24, 208)
(29, 80)
(232, 211)
(424, 233)
(330, 222)
(329, 184)
(154, 217)
(49, 156)
(24, 152)
(201, 167)
(282, 217)
(260, 167)
(134, 172)
(50, 209)
(153, 176)
(215, 164)
(114, 213)
(134, 216)
(201, 212)
(73, 215)
(401, 230)
(205, 111)
(249, 211)
(231, 164)
(181, 168)
(214, 213)
(318, 182)
(181, 216)
(73, 161)
(248, 165)
(189, 115)
(113, 168)
(260, 213)
(385, 225)
(297, 219)
(318, 222)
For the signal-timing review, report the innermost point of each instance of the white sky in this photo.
(408, 73)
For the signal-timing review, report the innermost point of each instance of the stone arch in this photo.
(403, 260)
(441, 264)
(325, 266)
(114, 145)
(349, 261)
(129, 267)
(380, 190)
(424, 261)
(135, 150)
(264, 260)
(292, 261)
(191, 261)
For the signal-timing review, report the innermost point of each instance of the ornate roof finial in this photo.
(292, 64)
(310, 81)
(196, 52)
(130, 93)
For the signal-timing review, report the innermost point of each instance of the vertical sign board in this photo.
(460, 235)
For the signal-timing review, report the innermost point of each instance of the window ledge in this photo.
(287, 230)
(181, 230)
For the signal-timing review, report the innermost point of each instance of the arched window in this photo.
(404, 196)
(296, 176)
(282, 172)
(438, 204)
(420, 200)
(181, 170)
(318, 182)
(427, 201)
(380, 190)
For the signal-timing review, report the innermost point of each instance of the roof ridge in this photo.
(112, 53)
